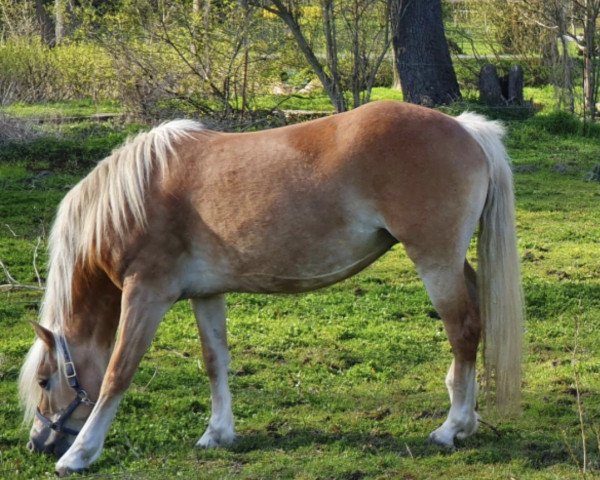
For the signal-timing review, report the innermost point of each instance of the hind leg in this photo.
(453, 293)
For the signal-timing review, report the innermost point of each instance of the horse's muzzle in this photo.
(51, 444)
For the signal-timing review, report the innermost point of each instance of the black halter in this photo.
(81, 397)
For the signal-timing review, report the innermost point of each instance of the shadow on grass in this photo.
(486, 447)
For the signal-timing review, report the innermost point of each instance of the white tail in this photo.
(498, 276)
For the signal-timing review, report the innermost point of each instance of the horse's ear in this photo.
(44, 335)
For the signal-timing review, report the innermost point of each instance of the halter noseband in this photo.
(81, 397)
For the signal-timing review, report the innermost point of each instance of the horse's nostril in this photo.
(31, 446)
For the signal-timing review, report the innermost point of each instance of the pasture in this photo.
(346, 382)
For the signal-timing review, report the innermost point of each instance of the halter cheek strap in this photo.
(81, 394)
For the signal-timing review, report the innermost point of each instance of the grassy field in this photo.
(72, 108)
(347, 382)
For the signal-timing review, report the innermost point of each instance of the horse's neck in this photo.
(96, 304)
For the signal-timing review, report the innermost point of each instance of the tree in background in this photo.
(586, 13)
(368, 26)
(553, 30)
(24, 19)
(357, 30)
(218, 55)
(28, 18)
(423, 60)
(197, 54)
(45, 21)
(207, 53)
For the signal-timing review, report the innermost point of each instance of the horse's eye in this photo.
(43, 383)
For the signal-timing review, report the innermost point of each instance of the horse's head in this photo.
(53, 389)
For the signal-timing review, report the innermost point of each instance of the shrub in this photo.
(33, 72)
(84, 71)
(564, 123)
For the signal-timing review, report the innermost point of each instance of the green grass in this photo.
(68, 108)
(317, 101)
(70, 147)
(346, 382)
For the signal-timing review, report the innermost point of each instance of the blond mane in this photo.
(109, 199)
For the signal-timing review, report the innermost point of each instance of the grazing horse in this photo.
(182, 212)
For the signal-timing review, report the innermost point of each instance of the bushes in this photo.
(30, 71)
(563, 124)
(85, 71)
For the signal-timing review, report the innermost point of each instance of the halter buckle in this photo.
(83, 397)
(70, 371)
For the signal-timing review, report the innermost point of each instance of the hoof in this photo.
(470, 428)
(436, 439)
(211, 439)
(66, 471)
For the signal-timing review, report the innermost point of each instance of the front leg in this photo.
(141, 313)
(212, 324)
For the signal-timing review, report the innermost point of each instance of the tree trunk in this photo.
(589, 64)
(45, 22)
(337, 92)
(59, 21)
(423, 59)
(565, 83)
(396, 85)
(196, 8)
(515, 85)
(490, 91)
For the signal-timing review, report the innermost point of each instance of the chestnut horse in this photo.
(182, 212)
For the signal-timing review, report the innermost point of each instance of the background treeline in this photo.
(231, 57)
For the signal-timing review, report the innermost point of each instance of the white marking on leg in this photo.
(448, 292)
(211, 319)
(450, 381)
(88, 445)
(464, 414)
(462, 419)
(139, 320)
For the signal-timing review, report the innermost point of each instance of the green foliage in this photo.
(33, 72)
(85, 71)
(558, 123)
(162, 52)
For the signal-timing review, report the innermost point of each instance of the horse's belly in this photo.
(308, 269)
(277, 282)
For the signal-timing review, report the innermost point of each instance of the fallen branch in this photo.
(10, 230)
(491, 427)
(13, 285)
(35, 254)
(9, 277)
